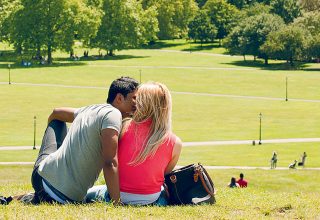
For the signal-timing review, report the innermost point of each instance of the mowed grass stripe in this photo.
(303, 84)
(195, 118)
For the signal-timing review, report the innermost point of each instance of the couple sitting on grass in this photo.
(134, 153)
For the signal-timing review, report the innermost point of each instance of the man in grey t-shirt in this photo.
(69, 162)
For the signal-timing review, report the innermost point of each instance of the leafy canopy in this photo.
(200, 28)
(125, 24)
(223, 15)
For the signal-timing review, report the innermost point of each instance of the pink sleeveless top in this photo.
(147, 177)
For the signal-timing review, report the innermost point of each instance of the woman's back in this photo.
(146, 177)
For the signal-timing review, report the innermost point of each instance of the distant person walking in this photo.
(274, 160)
(242, 182)
(303, 159)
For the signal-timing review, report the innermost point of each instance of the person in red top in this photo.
(147, 150)
(242, 183)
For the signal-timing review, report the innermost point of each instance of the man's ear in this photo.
(119, 98)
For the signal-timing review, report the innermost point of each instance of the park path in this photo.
(249, 142)
(195, 144)
(173, 92)
(204, 143)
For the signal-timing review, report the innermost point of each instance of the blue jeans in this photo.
(52, 140)
(100, 194)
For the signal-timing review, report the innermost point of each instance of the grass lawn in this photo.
(198, 115)
(195, 118)
(271, 194)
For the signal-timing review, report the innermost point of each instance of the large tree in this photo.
(251, 33)
(257, 29)
(52, 24)
(125, 24)
(311, 21)
(288, 43)
(174, 17)
(200, 28)
(287, 9)
(223, 15)
(236, 43)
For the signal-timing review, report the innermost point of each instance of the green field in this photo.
(273, 194)
(198, 116)
(215, 97)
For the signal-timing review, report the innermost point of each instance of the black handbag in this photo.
(189, 185)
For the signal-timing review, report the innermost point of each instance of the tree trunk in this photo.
(254, 58)
(38, 55)
(19, 49)
(220, 41)
(291, 61)
(266, 60)
(244, 57)
(49, 54)
(110, 53)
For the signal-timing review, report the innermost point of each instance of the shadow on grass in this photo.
(18, 65)
(160, 45)
(17, 61)
(187, 45)
(194, 47)
(273, 66)
(312, 69)
(97, 58)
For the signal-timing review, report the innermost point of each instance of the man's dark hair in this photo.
(241, 175)
(123, 85)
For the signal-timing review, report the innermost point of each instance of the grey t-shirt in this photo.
(76, 165)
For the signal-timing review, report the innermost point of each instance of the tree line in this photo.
(279, 29)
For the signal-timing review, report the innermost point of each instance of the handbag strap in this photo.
(175, 188)
(209, 178)
(200, 171)
(173, 179)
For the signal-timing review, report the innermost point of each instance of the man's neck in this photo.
(114, 104)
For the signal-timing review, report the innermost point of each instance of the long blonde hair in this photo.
(153, 103)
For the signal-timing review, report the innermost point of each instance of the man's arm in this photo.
(62, 114)
(109, 140)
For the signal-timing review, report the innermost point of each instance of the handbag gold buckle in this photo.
(173, 178)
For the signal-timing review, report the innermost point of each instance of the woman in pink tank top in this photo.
(147, 149)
